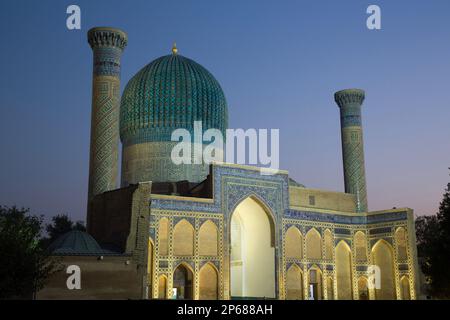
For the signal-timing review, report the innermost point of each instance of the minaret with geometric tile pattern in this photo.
(349, 102)
(107, 45)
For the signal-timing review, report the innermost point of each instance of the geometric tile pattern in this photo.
(107, 45)
(232, 184)
(170, 92)
(349, 102)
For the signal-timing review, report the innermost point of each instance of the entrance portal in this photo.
(252, 260)
(182, 283)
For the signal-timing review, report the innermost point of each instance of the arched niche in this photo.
(313, 245)
(363, 288)
(344, 281)
(208, 239)
(400, 240)
(382, 256)
(252, 259)
(183, 239)
(209, 282)
(293, 242)
(162, 287)
(328, 244)
(405, 288)
(294, 283)
(163, 237)
(183, 282)
(360, 246)
(315, 288)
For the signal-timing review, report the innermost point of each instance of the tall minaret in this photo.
(349, 102)
(107, 45)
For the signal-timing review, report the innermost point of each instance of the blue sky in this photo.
(279, 63)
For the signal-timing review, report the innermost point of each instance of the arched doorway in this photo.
(382, 256)
(315, 284)
(363, 289)
(182, 283)
(252, 259)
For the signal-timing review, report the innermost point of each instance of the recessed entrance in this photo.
(252, 260)
(182, 283)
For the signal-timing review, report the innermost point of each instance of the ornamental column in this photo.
(107, 45)
(349, 102)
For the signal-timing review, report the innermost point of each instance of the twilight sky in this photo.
(278, 62)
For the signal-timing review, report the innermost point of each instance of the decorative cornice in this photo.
(349, 96)
(107, 37)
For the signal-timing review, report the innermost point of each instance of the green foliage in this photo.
(433, 244)
(25, 264)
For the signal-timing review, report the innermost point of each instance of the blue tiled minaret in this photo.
(107, 45)
(349, 102)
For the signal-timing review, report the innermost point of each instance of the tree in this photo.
(433, 243)
(426, 230)
(25, 263)
(61, 224)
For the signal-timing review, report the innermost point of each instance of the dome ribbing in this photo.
(77, 243)
(170, 92)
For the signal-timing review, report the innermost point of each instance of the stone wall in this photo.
(109, 217)
(113, 277)
(320, 199)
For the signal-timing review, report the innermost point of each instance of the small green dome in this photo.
(170, 92)
(77, 243)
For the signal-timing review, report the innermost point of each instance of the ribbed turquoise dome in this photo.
(77, 243)
(170, 92)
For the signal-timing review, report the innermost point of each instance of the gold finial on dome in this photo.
(174, 48)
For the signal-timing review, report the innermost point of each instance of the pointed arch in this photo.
(315, 282)
(209, 282)
(183, 239)
(294, 283)
(405, 288)
(344, 271)
(293, 243)
(208, 239)
(313, 244)
(400, 239)
(162, 287)
(330, 288)
(382, 256)
(360, 246)
(183, 281)
(328, 244)
(363, 288)
(163, 237)
(252, 241)
(185, 265)
(267, 209)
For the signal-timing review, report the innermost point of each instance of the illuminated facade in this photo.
(259, 237)
(226, 231)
